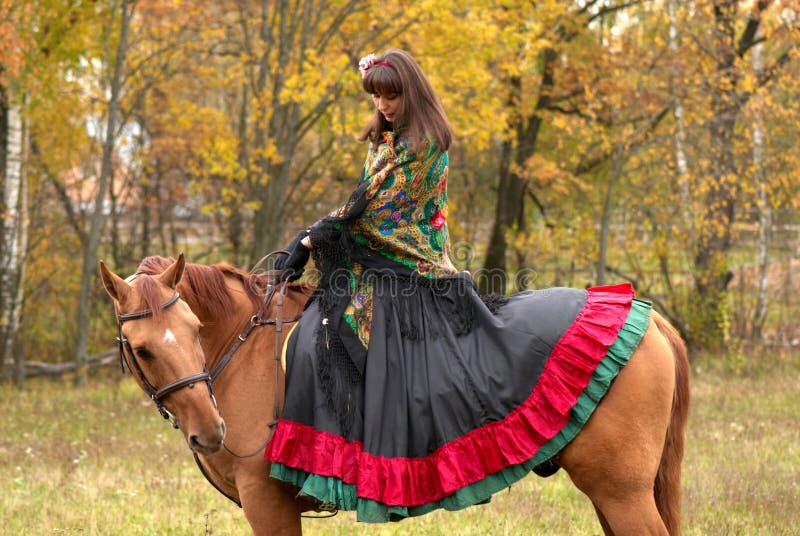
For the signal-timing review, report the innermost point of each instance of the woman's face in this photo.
(388, 105)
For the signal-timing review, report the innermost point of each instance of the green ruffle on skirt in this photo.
(334, 491)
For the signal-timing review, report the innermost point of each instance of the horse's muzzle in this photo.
(209, 444)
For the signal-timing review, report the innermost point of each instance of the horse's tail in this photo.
(667, 488)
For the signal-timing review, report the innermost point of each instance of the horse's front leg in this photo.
(268, 505)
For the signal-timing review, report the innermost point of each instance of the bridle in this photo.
(256, 320)
(157, 395)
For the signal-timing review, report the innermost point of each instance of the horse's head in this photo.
(160, 343)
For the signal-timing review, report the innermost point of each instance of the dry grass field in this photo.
(101, 461)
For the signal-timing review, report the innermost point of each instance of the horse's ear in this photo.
(172, 275)
(117, 288)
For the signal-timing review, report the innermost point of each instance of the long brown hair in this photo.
(420, 111)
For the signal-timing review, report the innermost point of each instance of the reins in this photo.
(257, 320)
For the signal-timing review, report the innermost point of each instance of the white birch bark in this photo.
(19, 357)
(764, 210)
(10, 256)
(680, 135)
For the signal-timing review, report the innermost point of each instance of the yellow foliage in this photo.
(215, 105)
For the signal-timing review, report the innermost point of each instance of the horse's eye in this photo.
(143, 353)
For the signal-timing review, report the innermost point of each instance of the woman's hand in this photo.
(293, 262)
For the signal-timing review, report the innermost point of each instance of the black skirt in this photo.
(454, 400)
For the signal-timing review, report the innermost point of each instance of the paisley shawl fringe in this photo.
(338, 374)
(333, 254)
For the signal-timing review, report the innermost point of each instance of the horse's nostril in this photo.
(208, 444)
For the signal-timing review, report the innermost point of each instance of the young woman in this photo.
(405, 392)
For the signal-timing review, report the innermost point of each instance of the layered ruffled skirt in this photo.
(445, 417)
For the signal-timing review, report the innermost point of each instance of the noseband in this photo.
(157, 395)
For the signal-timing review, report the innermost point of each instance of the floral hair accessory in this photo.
(367, 62)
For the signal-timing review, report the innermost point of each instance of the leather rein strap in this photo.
(257, 320)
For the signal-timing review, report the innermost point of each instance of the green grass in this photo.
(101, 461)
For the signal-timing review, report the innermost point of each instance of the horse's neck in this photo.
(219, 339)
(219, 331)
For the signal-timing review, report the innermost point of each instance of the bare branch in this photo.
(302, 174)
(749, 36)
(772, 71)
(327, 34)
(607, 10)
(663, 308)
(637, 138)
(541, 206)
(61, 192)
(767, 75)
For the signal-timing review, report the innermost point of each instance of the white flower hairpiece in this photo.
(367, 62)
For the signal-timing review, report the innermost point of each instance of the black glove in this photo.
(293, 263)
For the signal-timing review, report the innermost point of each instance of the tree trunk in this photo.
(680, 120)
(291, 35)
(5, 374)
(235, 222)
(510, 206)
(710, 315)
(608, 209)
(11, 252)
(274, 172)
(19, 364)
(508, 210)
(106, 172)
(151, 200)
(764, 214)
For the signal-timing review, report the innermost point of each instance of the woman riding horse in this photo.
(405, 391)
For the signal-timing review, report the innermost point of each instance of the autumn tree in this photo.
(725, 85)
(528, 66)
(596, 141)
(12, 180)
(115, 62)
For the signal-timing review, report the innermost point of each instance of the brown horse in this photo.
(626, 459)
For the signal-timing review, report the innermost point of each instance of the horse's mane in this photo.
(202, 286)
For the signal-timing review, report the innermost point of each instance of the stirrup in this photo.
(318, 505)
(327, 507)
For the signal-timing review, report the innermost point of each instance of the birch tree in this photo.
(735, 32)
(13, 239)
(12, 182)
(681, 164)
(764, 209)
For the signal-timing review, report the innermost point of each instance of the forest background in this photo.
(598, 142)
